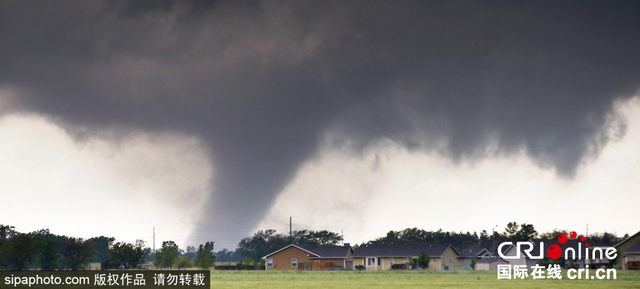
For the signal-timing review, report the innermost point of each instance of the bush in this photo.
(398, 266)
(360, 267)
(110, 263)
(424, 260)
(183, 262)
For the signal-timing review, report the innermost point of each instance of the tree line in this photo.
(513, 230)
(46, 251)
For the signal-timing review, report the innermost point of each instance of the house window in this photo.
(435, 260)
(294, 262)
(391, 261)
(379, 261)
(371, 261)
(269, 262)
(406, 260)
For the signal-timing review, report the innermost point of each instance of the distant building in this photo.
(302, 257)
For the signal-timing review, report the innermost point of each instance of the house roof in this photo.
(627, 240)
(400, 249)
(318, 252)
(478, 249)
(472, 251)
(634, 249)
(491, 260)
(327, 251)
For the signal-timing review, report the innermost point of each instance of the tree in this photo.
(126, 254)
(324, 238)
(7, 232)
(183, 262)
(225, 255)
(484, 235)
(265, 242)
(553, 234)
(166, 256)
(457, 239)
(102, 245)
(49, 258)
(157, 259)
(526, 232)
(148, 256)
(391, 236)
(511, 229)
(467, 243)
(497, 236)
(20, 251)
(414, 263)
(605, 238)
(473, 263)
(246, 262)
(205, 257)
(423, 260)
(111, 262)
(76, 253)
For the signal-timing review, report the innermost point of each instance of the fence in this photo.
(323, 266)
(236, 267)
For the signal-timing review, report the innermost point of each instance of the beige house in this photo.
(302, 257)
(380, 255)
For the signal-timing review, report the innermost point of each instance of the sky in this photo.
(212, 119)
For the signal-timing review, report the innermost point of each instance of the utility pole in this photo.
(154, 239)
(290, 226)
(342, 230)
(587, 234)
(493, 240)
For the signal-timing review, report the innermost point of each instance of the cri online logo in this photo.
(554, 251)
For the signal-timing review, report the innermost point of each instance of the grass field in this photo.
(404, 279)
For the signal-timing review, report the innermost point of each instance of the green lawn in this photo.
(404, 279)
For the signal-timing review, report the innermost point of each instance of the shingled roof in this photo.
(327, 251)
(634, 249)
(319, 251)
(400, 249)
(491, 246)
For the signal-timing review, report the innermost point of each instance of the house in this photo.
(629, 253)
(381, 255)
(303, 257)
(482, 250)
(490, 263)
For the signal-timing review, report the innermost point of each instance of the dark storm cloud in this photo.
(262, 82)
